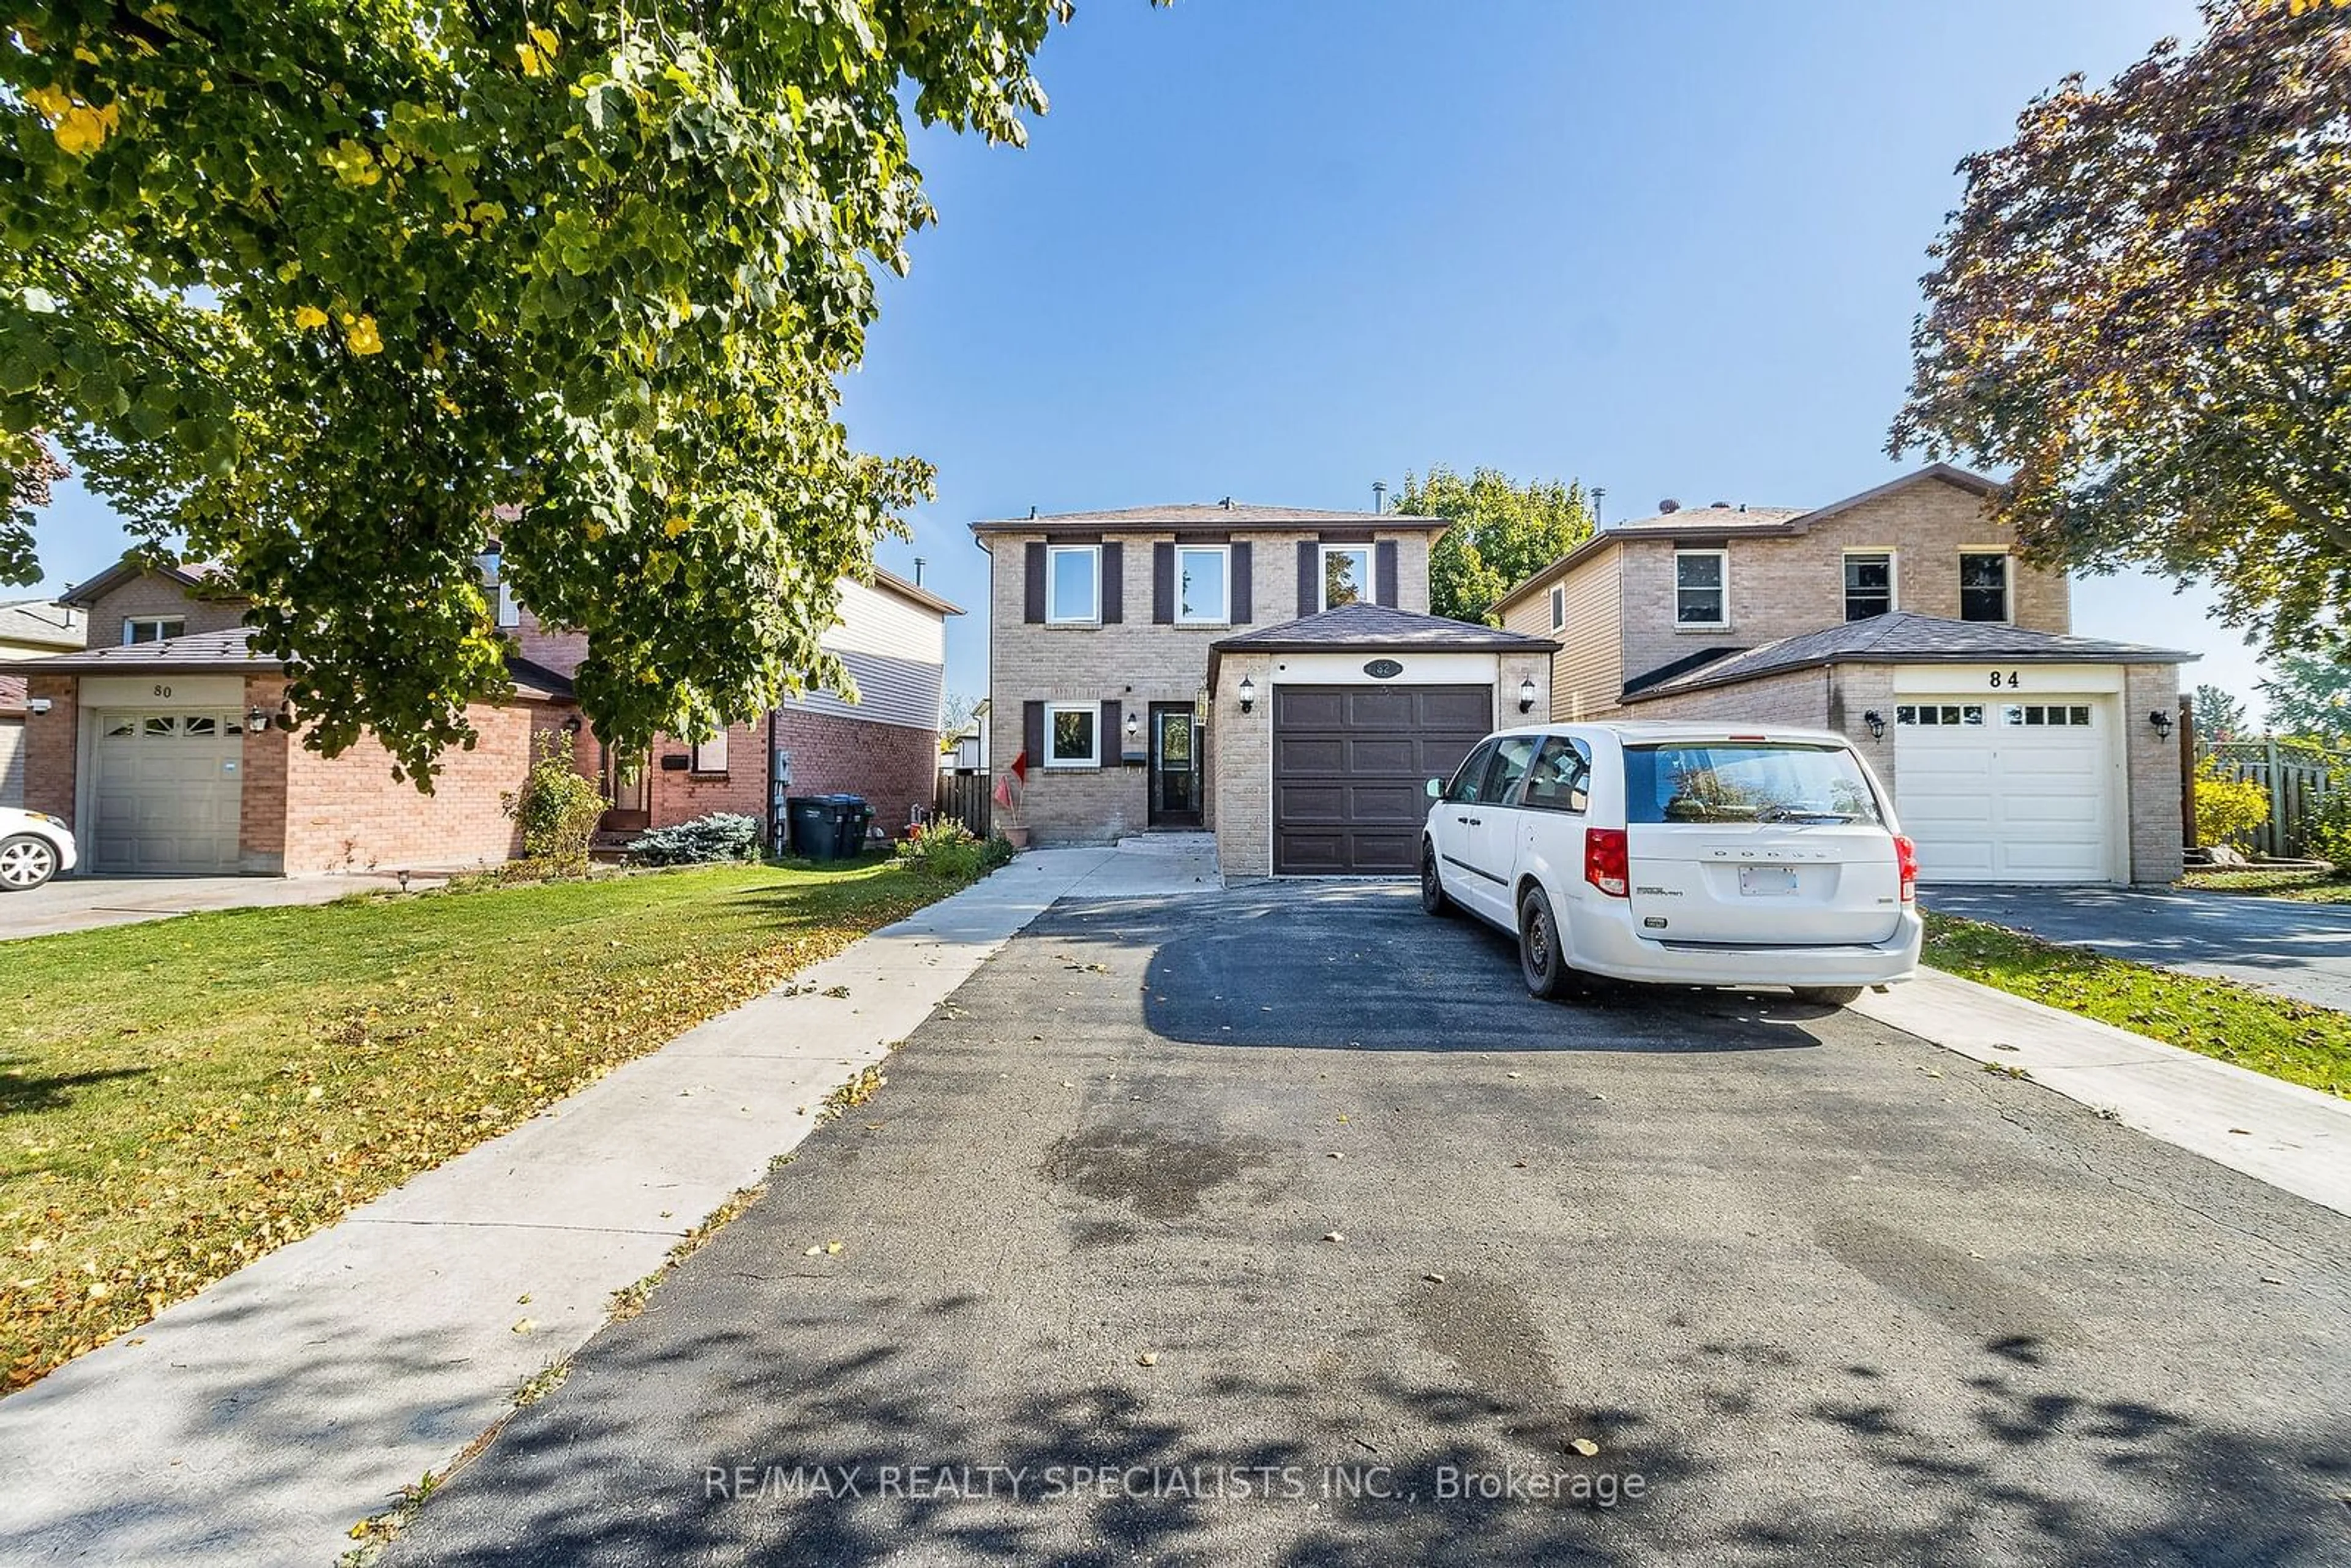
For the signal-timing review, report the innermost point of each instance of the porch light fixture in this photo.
(2162, 722)
(1134, 728)
(1876, 722)
(1247, 694)
(255, 721)
(571, 724)
(1527, 695)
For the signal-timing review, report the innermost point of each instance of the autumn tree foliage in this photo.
(317, 286)
(2143, 308)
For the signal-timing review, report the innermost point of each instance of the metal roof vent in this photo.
(1668, 504)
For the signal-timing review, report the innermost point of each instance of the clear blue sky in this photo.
(1280, 250)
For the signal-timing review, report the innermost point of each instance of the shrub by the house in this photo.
(2227, 808)
(720, 836)
(556, 807)
(948, 851)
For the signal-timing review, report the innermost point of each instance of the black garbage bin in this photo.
(851, 817)
(815, 826)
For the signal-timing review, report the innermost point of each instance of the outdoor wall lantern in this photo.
(255, 721)
(1133, 727)
(1247, 694)
(2162, 722)
(1527, 695)
(1876, 722)
(571, 724)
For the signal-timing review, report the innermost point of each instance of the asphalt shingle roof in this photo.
(219, 652)
(45, 621)
(1211, 518)
(1366, 625)
(1904, 638)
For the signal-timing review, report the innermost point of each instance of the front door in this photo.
(627, 784)
(1175, 767)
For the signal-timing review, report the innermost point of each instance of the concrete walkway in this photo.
(257, 1422)
(2282, 945)
(2295, 1139)
(87, 903)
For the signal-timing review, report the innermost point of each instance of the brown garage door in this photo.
(1349, 767)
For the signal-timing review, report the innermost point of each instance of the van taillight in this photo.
(1905, 866)
(1607, 865)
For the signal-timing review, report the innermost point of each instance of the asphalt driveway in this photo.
(2282, 945)
(1281, 1226)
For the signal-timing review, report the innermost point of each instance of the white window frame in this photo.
(509, 608)
(709, 757)
(1093, 617)
(1366, 590)
(1722, 620)
(1224, 555)
(2007, 583)
(166, 626)
(1559, 607)
(1893, 576)
(1094, 720)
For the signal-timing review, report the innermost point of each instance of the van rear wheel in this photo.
(1829, 995)
(1541, 957)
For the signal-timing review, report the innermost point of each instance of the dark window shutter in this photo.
(1163, 583)
(1244, 590)
(1110, 744)
(1384, 573)
(1310, 568)
(1032, 731)
(1114, 584)
(1034, 604)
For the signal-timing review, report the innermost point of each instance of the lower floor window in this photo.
(1071, 737)
(710, 756)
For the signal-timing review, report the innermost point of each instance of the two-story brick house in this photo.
(163, 744)
(1902, 617)
(1270, 674)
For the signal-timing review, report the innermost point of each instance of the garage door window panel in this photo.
(1983, 585)
(1072, 734)
(1938, 715)
(1701, 588)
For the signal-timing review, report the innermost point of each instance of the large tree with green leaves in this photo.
(317, 286)
(2142, 307)
(2309, 694)
(1502, 531)
(2219, 716)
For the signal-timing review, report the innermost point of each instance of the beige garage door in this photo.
(2007, 792)
(164, 791)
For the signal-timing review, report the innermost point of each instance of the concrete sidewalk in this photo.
(2295, 1139)
(257, 1422)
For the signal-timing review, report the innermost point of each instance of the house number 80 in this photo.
(2008, 680)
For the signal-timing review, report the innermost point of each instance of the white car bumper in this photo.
(1602, 942)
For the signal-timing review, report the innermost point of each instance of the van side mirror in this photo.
(1436, 789)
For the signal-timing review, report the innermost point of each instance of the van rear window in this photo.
(1746, 781)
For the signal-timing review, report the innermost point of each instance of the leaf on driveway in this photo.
(1148, 1358)
(524, 1325)
(1332, 1236)
(1584, 1446)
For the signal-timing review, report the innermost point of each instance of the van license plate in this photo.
(1766, 881)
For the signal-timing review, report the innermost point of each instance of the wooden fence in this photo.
(964, 796)
(2298, 778)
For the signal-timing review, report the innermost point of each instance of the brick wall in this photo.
(261, 805)
(152, 594)
(49, 747)
(2151, 773)
(1780, 587)
(347, 813)
(1136, 663)
(895, 766)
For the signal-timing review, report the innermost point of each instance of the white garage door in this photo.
(165, 790)
(2015, 792)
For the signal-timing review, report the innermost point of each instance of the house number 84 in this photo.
(2008, 680)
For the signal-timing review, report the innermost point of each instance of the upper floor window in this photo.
(152, 628)
(1072, 583)
(509, 608)
(1559, 607)
(1983, 585)
(1346, 574)
(1072, 734)
(1701, 585)
(1203, 585)
(1868, 583)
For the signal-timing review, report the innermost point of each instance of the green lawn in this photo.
(2297, 1041)
(2269, 882)
(180, 1097)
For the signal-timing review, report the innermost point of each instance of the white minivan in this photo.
(1688, 854)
